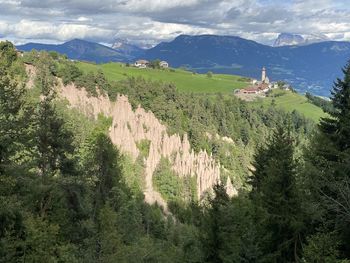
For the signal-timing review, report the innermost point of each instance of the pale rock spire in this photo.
(130, 127)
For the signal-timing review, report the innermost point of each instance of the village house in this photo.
(164, 64)
(251, 90)
(141, 63)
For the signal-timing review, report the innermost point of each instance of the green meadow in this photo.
(185, 81)
(290, 101)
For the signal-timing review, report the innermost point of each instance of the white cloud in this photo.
(156, 5)
(157, 20)
(83, 19)
(46, 30)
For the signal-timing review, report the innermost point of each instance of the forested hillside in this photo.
(69, 194)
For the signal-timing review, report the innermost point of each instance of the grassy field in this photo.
(185, 81)
(290, 101)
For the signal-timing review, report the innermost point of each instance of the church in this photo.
(264, 77)
(261, 86)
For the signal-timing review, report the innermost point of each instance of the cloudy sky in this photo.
(153, 21)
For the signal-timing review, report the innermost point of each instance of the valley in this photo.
(186, 131)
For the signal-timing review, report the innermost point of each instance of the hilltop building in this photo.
(263, 74)
(264, 77)
(164, 64)
(259, 87)
(141, 63)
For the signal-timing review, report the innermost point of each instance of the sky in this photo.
(148, 22)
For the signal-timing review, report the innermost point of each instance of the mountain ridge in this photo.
(289, 39)
(80, 50)
(303, 66)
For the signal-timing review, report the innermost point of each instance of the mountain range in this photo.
(287, 39)
(81, 50)
(310, 67)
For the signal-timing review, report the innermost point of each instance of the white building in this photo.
(264, 77)
(164, 64)
(142, 63)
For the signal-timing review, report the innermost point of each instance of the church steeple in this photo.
(263, 75)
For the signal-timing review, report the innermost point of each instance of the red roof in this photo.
(264, 85)
(251, 90)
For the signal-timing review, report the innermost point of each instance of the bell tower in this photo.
(263, 75)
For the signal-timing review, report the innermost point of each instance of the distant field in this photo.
(290, 101)
(185, 81)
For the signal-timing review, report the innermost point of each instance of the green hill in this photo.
(185, 81)
(290, 101)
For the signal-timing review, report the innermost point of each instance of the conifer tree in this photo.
(12, 109)
(328, 165)
(213, 242)
(103, 169)
(275, 191)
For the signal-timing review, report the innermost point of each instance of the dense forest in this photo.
(68, 195)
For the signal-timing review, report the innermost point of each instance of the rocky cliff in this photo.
(130, 127)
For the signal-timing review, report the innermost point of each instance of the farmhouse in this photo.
(141, 63)
(251, 90)
(164, 64)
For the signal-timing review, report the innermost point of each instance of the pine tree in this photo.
(14, 119)
(213, 242)
(275, 192)
(7, 54)
(103, 169)
(13, 111)
(109, 241)
(328, 165)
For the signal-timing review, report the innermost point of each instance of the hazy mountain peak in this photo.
(288, 39)
(125, 47)
(120, 42)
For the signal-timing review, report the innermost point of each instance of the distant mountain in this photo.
(125, 47)
(311, 67)
(81, 50)
(287, 39)
(308, 67)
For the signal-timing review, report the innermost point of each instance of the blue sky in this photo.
(152, 21)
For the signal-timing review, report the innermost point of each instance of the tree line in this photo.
(64, 196)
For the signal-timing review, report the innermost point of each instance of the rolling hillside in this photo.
(302, 66)
(308, 68)
(186, 81)
(290, 101)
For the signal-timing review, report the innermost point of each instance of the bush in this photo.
(167, 182)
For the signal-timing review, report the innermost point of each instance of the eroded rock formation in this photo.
(130, 127)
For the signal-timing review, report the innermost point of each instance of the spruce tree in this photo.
(213, 242)
(12, 110)
(276, 195)
(103, 169)
(328, 165)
